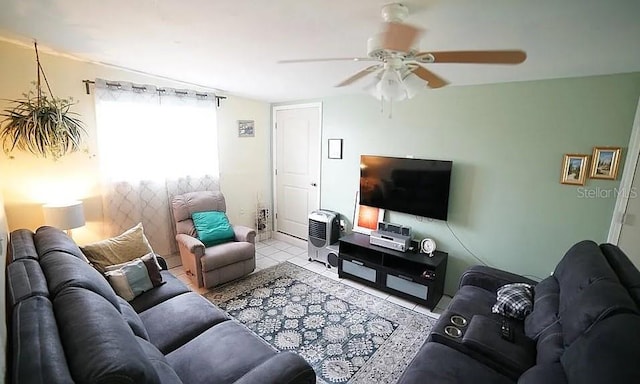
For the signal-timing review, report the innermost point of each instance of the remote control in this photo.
(506, 331)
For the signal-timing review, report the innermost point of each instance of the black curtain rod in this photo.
(87, 82)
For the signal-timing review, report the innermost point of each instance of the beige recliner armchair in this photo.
(218, 264)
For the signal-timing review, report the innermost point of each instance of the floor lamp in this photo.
(64, 216)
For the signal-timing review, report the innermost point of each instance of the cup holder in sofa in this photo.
(458, 321)
(452, 331)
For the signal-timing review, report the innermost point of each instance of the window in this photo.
(149, 134)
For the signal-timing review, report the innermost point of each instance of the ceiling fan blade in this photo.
(433, 80)
(480, 57)
(399, 37)
(327, 59)
(359, 75)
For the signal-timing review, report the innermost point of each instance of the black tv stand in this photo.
(410, 275)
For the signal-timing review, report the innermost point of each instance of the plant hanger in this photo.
(41, 124)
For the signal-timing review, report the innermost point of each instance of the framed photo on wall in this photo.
(246, 128)
(335, 149)
(605, 163)
(574, 169)
(365, 218)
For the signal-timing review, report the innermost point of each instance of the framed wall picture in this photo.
(365, 218)
(605, 163)
(335, 149)
(574, 169)
(246, 128)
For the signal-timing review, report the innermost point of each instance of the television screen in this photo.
(415, 186)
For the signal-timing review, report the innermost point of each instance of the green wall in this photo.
(506, 142)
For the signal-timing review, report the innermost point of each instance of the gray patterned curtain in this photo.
(153, 145)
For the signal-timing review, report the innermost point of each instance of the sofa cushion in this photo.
(581, 264)
(550, 345)
(227, 254)
(606, 353)
(21, 245)
(229, 347)
(159, 362)
(38, 356)
(514, 300)
(544, 373)
(625, 270)
(509, 357)
(119, 249)
(471, 300)
(545, 307)
(172, 287)
(134, 277)
(132, 318)
(99, 345)
(437, 363)
(196, 315)
(25, 279)
(212, 227)
(283, 367)
(596, 301)
(63, 270)
(186, 204)
(49, 239)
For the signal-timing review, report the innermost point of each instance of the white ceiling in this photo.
(233, 45)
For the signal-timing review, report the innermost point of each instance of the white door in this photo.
(297, 166)
(625, 223)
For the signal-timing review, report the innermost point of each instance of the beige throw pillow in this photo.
(130, 245)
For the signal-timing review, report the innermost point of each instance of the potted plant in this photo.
(41, 123)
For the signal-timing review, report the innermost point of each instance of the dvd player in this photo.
(390, 240)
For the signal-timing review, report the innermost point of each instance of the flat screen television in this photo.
(415, 186)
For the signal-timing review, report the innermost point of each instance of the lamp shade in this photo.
(64, 216)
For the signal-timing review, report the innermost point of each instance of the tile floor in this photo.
(272, 252)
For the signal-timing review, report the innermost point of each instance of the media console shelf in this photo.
(410, 275)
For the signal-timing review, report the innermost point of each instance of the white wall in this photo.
(30, 181)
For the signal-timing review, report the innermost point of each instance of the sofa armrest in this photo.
(490, 278)
(282, 368)
(191, 244)
(243, 233)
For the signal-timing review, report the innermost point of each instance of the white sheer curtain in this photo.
(153, 144)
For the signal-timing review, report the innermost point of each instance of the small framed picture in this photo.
(574, 169)
(246, 128)
(335, 148)
(365, 218)
(605, 163)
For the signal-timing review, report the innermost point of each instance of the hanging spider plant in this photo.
(41, 124)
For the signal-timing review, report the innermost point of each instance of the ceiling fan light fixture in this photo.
(391, 85)
(414, 85)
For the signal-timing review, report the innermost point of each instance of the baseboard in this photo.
(290, 239)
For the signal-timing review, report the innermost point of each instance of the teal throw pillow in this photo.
(213, 227)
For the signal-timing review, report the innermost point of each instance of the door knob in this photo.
(314, 184)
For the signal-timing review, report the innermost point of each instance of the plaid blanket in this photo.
(514, 300)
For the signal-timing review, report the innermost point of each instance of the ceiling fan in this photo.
(400, 70)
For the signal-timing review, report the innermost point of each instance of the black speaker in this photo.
(332, 259)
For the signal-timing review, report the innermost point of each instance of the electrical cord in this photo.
(465, 247)
(532, 277)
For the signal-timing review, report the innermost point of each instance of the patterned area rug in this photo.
(347, 335)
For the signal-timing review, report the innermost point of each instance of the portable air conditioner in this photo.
(324, 230)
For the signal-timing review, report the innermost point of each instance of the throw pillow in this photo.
(213, 227)
(117, 250)
(135, 277)
(514, 300)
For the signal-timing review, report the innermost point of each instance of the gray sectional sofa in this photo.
(584, 328)
(66, 325)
